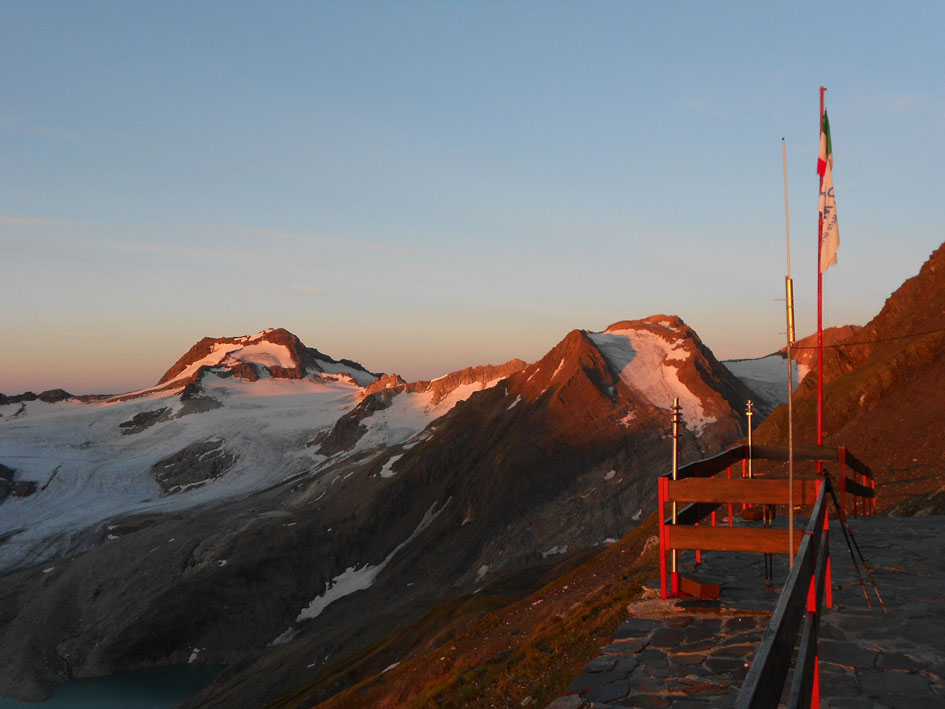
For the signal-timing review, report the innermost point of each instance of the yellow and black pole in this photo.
(789, 308)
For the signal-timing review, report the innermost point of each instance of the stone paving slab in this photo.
(683, 653)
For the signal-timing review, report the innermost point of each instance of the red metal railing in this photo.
(807, 590)
(697, 485)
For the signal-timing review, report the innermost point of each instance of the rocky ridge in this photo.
(883, 386)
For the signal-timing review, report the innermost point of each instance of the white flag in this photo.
(830, 235)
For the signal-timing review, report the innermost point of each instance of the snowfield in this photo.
(86, 471)
(641, 359)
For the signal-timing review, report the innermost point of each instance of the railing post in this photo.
(662, 485)
(814, 610)
(744, 475)
(842, 458)
(865, 502)
(698, 553)
(730, 520)
(843, 494)
(873, 501)
(815, 689)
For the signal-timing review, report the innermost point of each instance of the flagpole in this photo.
(820, 308)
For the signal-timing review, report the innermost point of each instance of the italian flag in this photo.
(825, 155)
(829, 235)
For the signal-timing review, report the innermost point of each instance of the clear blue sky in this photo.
(424, 186)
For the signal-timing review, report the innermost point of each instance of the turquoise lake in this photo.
(159, 688)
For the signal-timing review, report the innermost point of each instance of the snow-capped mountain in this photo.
(321, 504)
(231, 416)
(555, 459)
(271, 354)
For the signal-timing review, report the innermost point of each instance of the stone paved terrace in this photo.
(686, 653)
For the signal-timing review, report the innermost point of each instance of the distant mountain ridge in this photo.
(552, 460)
(327, 503)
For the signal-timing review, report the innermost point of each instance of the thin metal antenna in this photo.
(789, 307)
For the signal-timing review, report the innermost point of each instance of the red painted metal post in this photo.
(859, 499)
(730, 519)
(698, 552)
(815, 689)
(842, 457)
(820, 305)
(744, 475)
(843, 494)
(661, 488)
(873, 503)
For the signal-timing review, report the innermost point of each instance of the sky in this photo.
(426, 186)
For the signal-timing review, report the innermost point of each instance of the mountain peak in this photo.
(653, 322)
(660, 359)
(274, 352)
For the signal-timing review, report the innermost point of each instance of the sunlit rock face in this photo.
(883, 388)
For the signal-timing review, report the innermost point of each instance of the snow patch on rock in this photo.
(355, 579)
(386, 471)
(563, 549)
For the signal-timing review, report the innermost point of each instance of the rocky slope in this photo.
(883, 388)
(390, 400)
(804, 351)
(232, 536)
